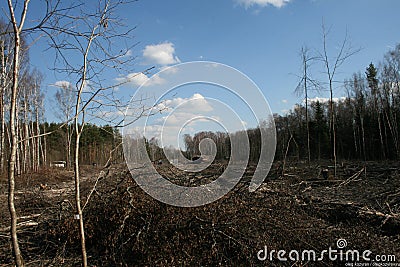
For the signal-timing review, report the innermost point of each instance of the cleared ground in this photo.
(299, 210)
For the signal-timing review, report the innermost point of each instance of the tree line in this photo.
(366, 119)
(96, 144)
(37, 148)
(29, 107)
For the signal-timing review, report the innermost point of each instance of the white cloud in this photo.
(284, 101)
(262, 3)
(325, 99)
(177, 116)
(137, 79)
(87, 86)
(180, 114)
(62, 84)
(160, 54)
(194, 105)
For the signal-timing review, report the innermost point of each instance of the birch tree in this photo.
(6, 60)
(89, 36)
(305, 84)
(332, 65)
(65, 97)
(17, 28)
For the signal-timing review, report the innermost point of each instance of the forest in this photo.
(366, 121)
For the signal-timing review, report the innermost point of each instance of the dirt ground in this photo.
(296, 210)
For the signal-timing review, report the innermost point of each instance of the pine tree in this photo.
(373, 82)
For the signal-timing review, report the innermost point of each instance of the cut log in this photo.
(390, 224)
(20, 225)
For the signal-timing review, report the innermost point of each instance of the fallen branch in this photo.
(387, 222)
(29, 216)
(20, 225)
(378, 214)
(352, 178)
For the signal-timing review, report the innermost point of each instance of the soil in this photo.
(295, 209)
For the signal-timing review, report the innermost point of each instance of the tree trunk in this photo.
(13, 131)
(79, 214)
(18, 134)
(44, 147)
(332, 124)
(78, 133)
(25, 136)
(2, 109)
(389, 120)
(69, 141)
(363, 138)
(13, 150)
(38, 145)
(381, 135)
(78, 197)
(286, 153)
(33, 145)
(379, 113)
(2, 132)
(306, 98)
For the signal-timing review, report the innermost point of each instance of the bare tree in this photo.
(65, 97)
(90, 35)
(390, 76)
(357, 86)
(305, 84)
(3, 87)
(6, 47)
(17, 28)
(38, 103)
(19, 69)
(2, 109)
(331, 68)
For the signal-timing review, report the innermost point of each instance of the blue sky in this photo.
(261, 38)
